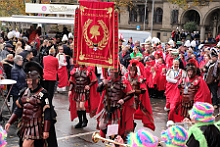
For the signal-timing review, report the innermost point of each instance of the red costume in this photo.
(110, 111)
(147, 68)
(142, 101)
(161, 80)
(141, 70)
(62, 71)
(79, 78)
(192, 89)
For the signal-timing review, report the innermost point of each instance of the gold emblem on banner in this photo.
(95, 32)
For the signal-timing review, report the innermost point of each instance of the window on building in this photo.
(174, 16)
(133, 14)
(142, 14)
(158, 15)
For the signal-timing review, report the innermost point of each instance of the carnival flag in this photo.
(96, 34)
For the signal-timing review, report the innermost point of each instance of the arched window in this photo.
(158, 15)
(174, 16)
(133, 13)
(142, 13)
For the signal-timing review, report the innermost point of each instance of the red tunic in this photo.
(94, 97)
(172, 92)
(152, 80)
(63, 77)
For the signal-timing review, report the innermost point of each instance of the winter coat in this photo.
(7, 65)
(18, 74)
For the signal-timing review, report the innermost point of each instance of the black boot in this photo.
(85, 121)
(79, 125)
(135, 124)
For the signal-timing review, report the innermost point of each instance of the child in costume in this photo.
(141, 138)
(175, 136)
(205, 132)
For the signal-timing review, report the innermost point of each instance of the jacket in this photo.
(124, 60)
(51, 66)
(7, 65)
(4, 53)
(204, 135)
(210, 68)
(18, 74)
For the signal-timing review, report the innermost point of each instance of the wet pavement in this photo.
(68, 136)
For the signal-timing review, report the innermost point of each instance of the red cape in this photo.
(147, 119)
(126, 125)
(202, 95)
(92, 104)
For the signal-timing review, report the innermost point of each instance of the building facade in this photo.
(166, 17)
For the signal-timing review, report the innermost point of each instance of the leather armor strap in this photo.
(100, 87)
(46, 126)
(138, 92)
(92, 83)
(128, 97)
(13, 118)
(71, 87)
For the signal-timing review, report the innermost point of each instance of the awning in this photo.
(38, 19)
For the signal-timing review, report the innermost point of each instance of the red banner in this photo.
(96, 34)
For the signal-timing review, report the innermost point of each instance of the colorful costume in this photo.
(62, 72)
(172, 91)
(205, 132)
(175, 136)
(192, 89)
(79, 78)
(142, 138)
(142, 99)
(110, 111)
(34, 109)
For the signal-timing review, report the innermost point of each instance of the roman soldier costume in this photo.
(192, 89)
(34, 109)
(142, 99)
(80, 77)
(110, 111)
